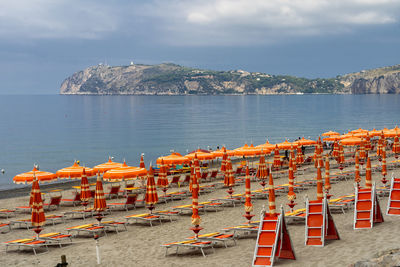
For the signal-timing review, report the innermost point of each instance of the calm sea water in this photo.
(54, 130)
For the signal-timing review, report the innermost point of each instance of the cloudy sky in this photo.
(44, 41)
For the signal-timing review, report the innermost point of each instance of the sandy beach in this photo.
(140, 245)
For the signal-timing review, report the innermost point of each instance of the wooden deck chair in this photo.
(31, 243)
(130, 202)
(201, 245)
(175, 181)
(54, 203)
(7, 213)
(75, 200)
(114, 191)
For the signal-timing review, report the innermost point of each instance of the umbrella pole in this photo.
(96, 237)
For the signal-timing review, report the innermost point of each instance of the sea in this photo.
(54, 130)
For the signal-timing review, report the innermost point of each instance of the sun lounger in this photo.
(88, 228)
(175, 181)
(22, 223)
(145, 217)
(58, 238)
(114, 191)
(298, 215)
(7, 213)
(4, 226)
(54, 218)
(217, 237)
(53, 204)
(167, 213)
(196, 244)
(31, 243)
(212, 205)
(230, 201)
(207, 188)
(342, 203)
(114, 225)
(246, 229)
(84, 213)
(182, 209)
(26, 209)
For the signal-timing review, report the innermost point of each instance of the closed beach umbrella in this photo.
(38, 219)
(151, 197)
(357, 177)
(368, 146)
(320, 151)
(224, 159)
(196, 164)
(299, 155)
(192, 176)
(277, 158)
(291, 195)
(85, 192)
(174, 158)
(74, 172)
(396, 146)
(141, 164)
(162, 181)
(320, 193)
(28, 177)
(109, 165)
(335, 152)
(380, 144)
(195, 201)
(262, 172)
(248, 207)
(341, 154)
(229, 180)
(99, 198)
(330, 133)
(362, 150)
(368, 180)
(124, 172)
(271, 195)
(384, 169)
(315, 156)
(327, 175)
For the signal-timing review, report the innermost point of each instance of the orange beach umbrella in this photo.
(368, 178)
(124, 172)
(384, 169)
(28, 177)
(224, 159)
(351, 141)
(195, 201)
(271, 195)
(320, 194)
(262, 172)
(306, 142)
(201, 155)
(330, 133)
(247, 150)
(85, 192)
(74, 172)
(357, 177)
(287, 145)
(174, 158)
(38, 219)
(151, 197)
(396, 145)
(248, 207)
(267, 147)
(99, 198)
(327, 175)
(162, 177)
(229, 177)
(374, 133)
(220, 152)
(299, 156)
(277, 158)
(141, 164)
(109, 165)
(291, 194)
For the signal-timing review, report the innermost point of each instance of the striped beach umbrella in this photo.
(141, 164)
(38, 219)
(223, 163)
(320, 193)
(85, 192)
(368, 146)
(277, 158)
(248, 206)
(99, 198)
(109, 165)
(357, 177)
(124, 173)
(162, 181)
(74, 172)
(291, 194)
(327, 175)
(335, 152)
(229, 180)
(195, 220)
(41, 176)
(384, 168)
(320, 152)
(151, 197)
(361, 149)
(196, 164)
(330, 133)
(368, 178)
(299, 156)
(380, 144)
(396, 146)
(315, 156)
(271, 195)
(262, 172)
(174, 158)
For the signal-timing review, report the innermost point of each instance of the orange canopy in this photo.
(331, 138)
(374, 133)
(306, 142)
(174, 158)
(109, 165)
(352, 141)
(267, 147)
(392, 132)
(287, 145)
(41, 176)
(74, 172)
(330, 133)
(247, 151)
(201, 155)
(359, 130)
(123, 173)
(220, 153)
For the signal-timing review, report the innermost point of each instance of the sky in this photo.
(42, 42)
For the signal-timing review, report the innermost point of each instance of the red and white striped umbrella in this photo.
(396, 146)
(141, 164)
(380, 144)
(151, 197)
(299, 155)
(362, 150)
(99, 198)
(271, 195)
(335, 152)
(162, 181)
(368, 143)
(262, 172)
(38, 219)
(277, 158)
(357, 177)
(195, 201)
(320, 193)
(229, 177)
(384, 168)
(248, 207)
(320, 152)
(291, 194)
(196, 164)
(85, 192)
(223, 163)
(327, 175)
(368, 178)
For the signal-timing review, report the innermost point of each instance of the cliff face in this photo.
(171, 79)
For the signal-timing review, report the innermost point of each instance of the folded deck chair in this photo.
(175, 181)
(58, 238)
(74, 201)
(217, 237)
(5, 227)
(114, 191)
(145, 217)
(87, 228)
(27, 243)
(53, 204)
(7, 213)
(201, 245)
(130, 202)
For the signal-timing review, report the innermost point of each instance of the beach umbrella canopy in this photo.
(277, 158)
(109, 165)
(28, 177)
(368, 177)
(99, 204)
(141, 164)
(374, 133)
(327, 175)
(306, 142)
(248, 206)
(195, 200)
(38, 219)
(247, 151)
(320, 194)
(124, 172)
(357, 177)
(359, 130)
(262, 172)
(74, 172)
(271, 195)
(151, 196)
(174, 158)
(330, 133)
(201, 155)
(331, 138)
(396, 145)
(351, 141)
(220, 152)
(392, 132)
(267, 147)
(299, 156)
(287, 145)
(291, 194)
(162, 181)
(85, 192)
